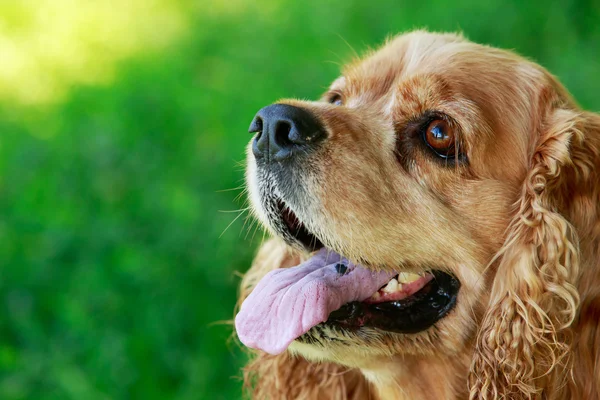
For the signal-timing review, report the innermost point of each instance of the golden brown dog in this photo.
(447, 159)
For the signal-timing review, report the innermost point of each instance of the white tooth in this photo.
(407, 277)
(375, 296)
(386, 288)
(391, 287)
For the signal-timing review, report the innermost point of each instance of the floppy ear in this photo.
(285, 376)
(522, 349)
(586, 347)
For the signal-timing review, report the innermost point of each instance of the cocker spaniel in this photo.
(436, 233)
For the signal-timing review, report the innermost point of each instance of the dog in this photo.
(436, 232)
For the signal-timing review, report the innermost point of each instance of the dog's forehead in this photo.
(473, 69)
(402, 56)
(433, 70)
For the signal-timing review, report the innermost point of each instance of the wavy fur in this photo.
(521, 232)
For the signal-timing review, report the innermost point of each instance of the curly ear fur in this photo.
(523, 349)
(586, 346)
(288, 377)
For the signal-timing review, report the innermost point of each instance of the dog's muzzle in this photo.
(284, 131)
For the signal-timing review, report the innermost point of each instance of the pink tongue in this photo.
(288, 302)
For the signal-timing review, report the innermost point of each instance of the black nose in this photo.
(284, 130)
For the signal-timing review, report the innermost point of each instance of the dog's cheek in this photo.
(485, 206)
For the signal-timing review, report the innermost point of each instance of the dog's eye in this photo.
(336, 99)
(439, 136)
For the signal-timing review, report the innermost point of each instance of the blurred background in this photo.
(122, 134)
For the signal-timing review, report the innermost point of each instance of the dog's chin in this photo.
(360, 349)
(408, 306)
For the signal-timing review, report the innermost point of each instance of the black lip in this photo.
(293, 230)
(411, 315)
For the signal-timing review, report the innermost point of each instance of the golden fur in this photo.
(518, 225)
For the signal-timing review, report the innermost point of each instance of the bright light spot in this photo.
(46, 46)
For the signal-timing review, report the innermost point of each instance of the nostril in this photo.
(282, 133)
(256, 127)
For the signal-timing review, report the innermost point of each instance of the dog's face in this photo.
(412, 161)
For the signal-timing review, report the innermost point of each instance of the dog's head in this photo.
(442, 158)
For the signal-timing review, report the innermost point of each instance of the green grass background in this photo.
(114, 268)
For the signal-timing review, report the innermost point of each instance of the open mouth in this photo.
(408, 303)
(402, 307)
(296, 229)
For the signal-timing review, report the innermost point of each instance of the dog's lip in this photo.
(296, 229)
(411, 314)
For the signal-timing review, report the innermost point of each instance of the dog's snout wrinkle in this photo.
(281, 129)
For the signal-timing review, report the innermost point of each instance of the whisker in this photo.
(356, 56)
(240, 163)
(239, 196)
(248, 227)
(234, 211)
(255, 230)
(231, 223)
(339, 64)
(230, 190)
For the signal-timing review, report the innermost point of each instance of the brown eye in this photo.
(439, 136)
(336, 99)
